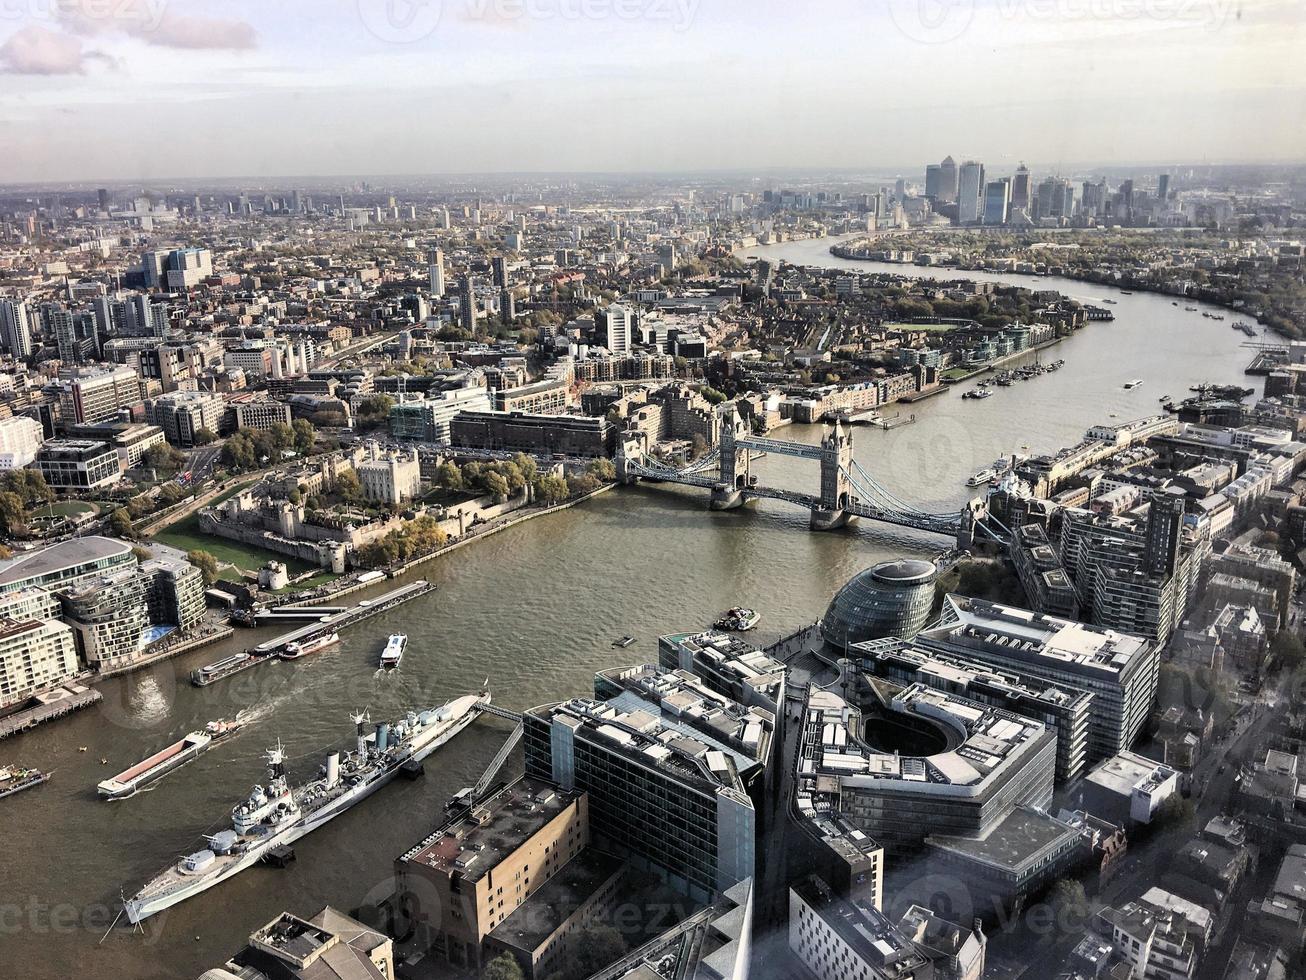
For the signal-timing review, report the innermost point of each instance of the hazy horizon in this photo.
(144, 91)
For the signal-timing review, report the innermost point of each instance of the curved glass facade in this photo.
(893, 598)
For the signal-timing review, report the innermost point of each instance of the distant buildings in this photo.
(184, 414)
(970, 192)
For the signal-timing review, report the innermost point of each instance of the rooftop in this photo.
(471, 845)
(1016, 841)
(536, 919)
(61, 557)
(864, 928)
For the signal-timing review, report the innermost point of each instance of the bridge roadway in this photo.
(947, 527)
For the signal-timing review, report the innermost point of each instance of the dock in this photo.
(63, 700)
(332, 621)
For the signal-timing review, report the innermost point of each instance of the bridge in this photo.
(847, 491)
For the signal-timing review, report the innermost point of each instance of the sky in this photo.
(141, 90)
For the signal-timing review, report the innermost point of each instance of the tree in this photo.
(169, 494)
(503, 967)
(12, 511)
(280, 436)
(697, 446)
(603, 469)
(348, 487)
(239, 451)
(204, 437)
(206, 563)
(295, 497)
(449, 476)
(163, 459)
(551, 489)
(1069, 905)
(497, 485)
(28, 485)
(120, 523)
(1288, 649)
(526, 464)
(305, 436)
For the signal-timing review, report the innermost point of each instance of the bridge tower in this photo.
(736, 463)
(836, 489)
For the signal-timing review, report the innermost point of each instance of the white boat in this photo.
(1130, 385)
(279, 814)
(294, 651)
(980, 478)
(394, 650)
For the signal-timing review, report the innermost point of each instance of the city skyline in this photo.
(494, 86)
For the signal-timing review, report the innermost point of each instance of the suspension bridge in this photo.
(846, 490)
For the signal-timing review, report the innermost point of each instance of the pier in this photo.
(331, 622)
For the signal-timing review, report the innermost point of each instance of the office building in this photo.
(1119, 670)
(970, 192)
(466, 878)
(99, 396)
(182, 415)
(78, 464)
(977, 763)
(1064, 710)
(129, 440)
(15, 329)
(618, 325)
(1048, 589)
(1129, 789)
(34, 654)
(566, 435)
(728, 665)
(258, 413)
(997, 201)
(1020, 189)
(436, 273)
(428, 420)
(499, 271)
(20, 439)
(663, 795)
(893, 598)
(838, 939)
(63, 565)
(941, 181)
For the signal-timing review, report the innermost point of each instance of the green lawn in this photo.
(68, 508)
(186, 535)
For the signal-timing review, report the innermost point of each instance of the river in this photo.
(535, 608)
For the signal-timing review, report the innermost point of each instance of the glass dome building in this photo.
(892, 598)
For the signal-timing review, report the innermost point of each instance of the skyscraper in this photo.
(500, 269)
(1165, 519)
(468, 301)
(970, 192)
(15, 329)
(947, 180)
(997, 199)
(437, 273)
(618, 320)
(933, 174)
(1163, 187)
(1020, 188)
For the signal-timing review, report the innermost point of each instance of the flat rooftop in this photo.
(60, 557)
(473, 844)
(537, 918)
(1016, 840)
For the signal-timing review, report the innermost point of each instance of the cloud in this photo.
(35, 51)
(180, 31)
(156, 23)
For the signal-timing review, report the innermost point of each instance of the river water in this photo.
(535, 608)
